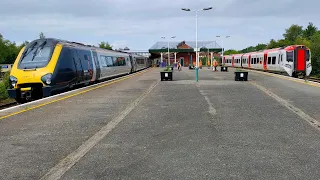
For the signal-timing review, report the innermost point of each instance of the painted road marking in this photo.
(64, 165)
(103, 84)
(291, 107)
(212, 110)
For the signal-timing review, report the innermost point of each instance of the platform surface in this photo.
(144, 128)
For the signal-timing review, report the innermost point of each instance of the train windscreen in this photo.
(36, 55)
(308, 54)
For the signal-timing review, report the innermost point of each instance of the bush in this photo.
(4, 85)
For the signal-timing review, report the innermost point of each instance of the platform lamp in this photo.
(222, 46)
(172, 37)
(197, 56)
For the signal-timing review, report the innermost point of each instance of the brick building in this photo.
(184, 52)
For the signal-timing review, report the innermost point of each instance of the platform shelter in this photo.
(184, 52)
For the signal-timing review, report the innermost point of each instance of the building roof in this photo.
(186, 45)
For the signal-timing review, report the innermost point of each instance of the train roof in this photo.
(287, 48)
(54, 41)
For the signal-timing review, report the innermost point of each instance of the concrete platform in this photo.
(140, 128)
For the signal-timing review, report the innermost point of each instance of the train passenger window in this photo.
(273, 60)
(290, 56)
(269, 60)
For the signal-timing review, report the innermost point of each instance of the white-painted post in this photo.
(211, 59)
(161, 57)
(175, 57)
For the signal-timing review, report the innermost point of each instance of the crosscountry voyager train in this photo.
(49, 65)
(292, 60)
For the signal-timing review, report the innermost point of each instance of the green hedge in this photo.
(4, 85)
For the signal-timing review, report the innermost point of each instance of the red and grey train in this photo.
(292, 60)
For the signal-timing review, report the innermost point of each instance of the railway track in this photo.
(313, 79)
(7, 105)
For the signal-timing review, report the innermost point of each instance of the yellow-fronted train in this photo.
(48, 66)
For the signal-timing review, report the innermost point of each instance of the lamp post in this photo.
(222, 46)
(197, 56)
(168, 48)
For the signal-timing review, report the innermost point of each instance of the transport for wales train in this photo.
(292, 60)
(46, 66)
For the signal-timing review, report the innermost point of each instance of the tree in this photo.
(41, 36)
(105, 45)
(230, 51)
(293, 32)
(272, 44)
(309, 31)
(260, 47)
(315, 53)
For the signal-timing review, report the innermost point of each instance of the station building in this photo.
(184, 52)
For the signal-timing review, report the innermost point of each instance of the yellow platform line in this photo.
(69, 96)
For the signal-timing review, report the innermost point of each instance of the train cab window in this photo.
(273, 60)
(290, 56)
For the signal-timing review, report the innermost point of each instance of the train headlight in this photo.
(13, 81)
(47, 78)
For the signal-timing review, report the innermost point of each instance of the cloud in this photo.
(139, 24)
(119, 44)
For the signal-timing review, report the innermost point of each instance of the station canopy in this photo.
(185, 46)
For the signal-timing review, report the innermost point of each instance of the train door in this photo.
(84, 58)
(265, 57)
(77, 64)
(232, 61)
(300, 59)
(280, 59)
(131, 63)
(249, 61)
(97, 64)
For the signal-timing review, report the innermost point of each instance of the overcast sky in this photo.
(138, 24)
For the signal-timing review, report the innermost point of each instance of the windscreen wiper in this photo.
(25, 52)
(41, 47)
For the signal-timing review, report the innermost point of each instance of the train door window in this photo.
(281, 57)
(115, 61)
(103, 61)
(273, 60)
(269, 60)
(290, 56)
(109, 61)
(308, 55)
